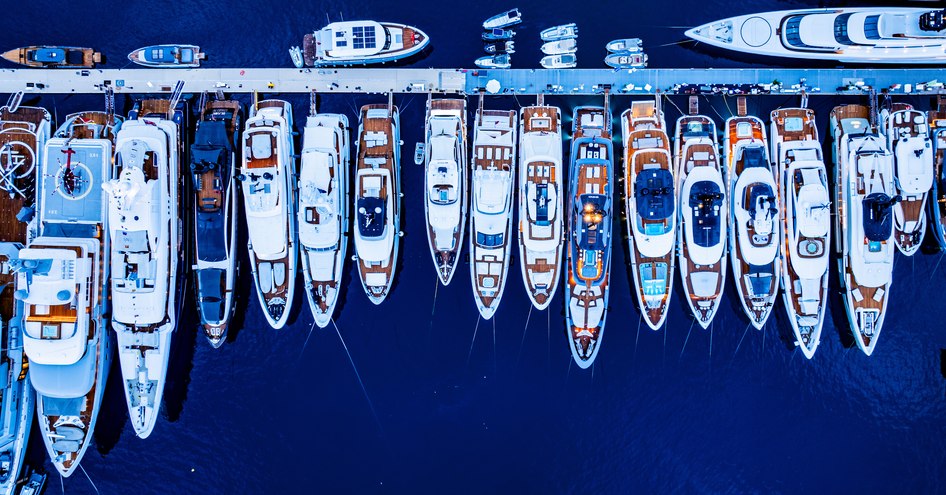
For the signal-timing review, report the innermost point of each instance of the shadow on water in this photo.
(113, 414)
(180, 362)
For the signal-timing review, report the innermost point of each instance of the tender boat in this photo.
(362, 43)
(23, 134)
(589, 231)
(908, 137)
(754, 217)
(62, 286)
(144, 228)
(503, 20)
(894, 35)
(213, 162)
(563, 32)
(295, 53)
(494, 166)
(445, 182)
(503, 61)
(650, 203)
(168, 56)
(564, 61)
(806, 232)
(560, 47)
(499, 35)
(33, 484)
(323, 210)
(268, 181)
(626, 60)
(378, 198)
(865, 200)
(54, 57)
(625, 45)
(505, 47)
(703, 216)
(541, 216)
(937, 202)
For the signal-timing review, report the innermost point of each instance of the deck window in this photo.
(840, 29)
(489, 240)
(871, 29)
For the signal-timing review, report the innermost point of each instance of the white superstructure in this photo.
(445, 183)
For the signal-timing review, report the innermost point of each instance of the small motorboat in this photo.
(626, 45)
(296, 54)
(34, 484)
(168, 56)
(626, 60)
(500, 48)
(503, 61)
(503, 20)
(496, 35)
(563, 61)
(54, 57)
(563, 32)
(420, 151)
(560, 47)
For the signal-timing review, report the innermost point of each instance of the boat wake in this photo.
(358, 376)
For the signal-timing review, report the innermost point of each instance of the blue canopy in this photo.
(706, 200)
(653, 191)
(50, 55)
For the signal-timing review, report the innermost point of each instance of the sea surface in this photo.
(419, 395)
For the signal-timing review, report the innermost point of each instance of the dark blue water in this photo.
(461, 406)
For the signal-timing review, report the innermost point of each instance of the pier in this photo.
(470, 81)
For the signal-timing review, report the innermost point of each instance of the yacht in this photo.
(703, 216)
(564, 61)
(560, 47)
(541, 217)
(362, 43)
(23, 134)
(806, 230)
(650, 205)
(213, 162)
(54, 57)
(937, 202)
(589, 231)
(908, 138)
(754, 217)
(168, 56)
(626, 60)
(894, 35)
(563, 32)
(323, 210)
(445, 182)
(503, 61)
(494, 166)
(61, 284)
(865, 199)
(378, 198)
(144, 228)
(503, 20)
(625, 45)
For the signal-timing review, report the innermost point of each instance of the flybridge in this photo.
(468, 81)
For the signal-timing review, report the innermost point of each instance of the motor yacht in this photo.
(503, 20)
(626, 60)
(445, 183)
(564, 61)
(625, 45)
(560, 47)
(54, 57)
(362, 43)
(503, 61)
(937, 202)
(168, 56)
(564, 32)
(908, 138)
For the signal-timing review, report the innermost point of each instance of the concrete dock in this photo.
(470, 81)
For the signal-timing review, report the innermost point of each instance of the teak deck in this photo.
(913, 207)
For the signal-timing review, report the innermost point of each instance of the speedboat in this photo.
(703, 216)
(908, 138)
(754, 221)
(626, 60)
(894, 35)
(378, 198)
(865, 198)
(563, 32)
(295, 53)
(560, 47)
(806, 210)
(54, 57)
(143, 224)
(168, 56)
(541, 219)
(61, 283)
(503, 61)
(650, 202)
(498, 35)
(503, 20)
(445, 182)
(362, 43)
(33, 484)
(564, 61)
(323, 210)
(937, 203)
(268, 181)
(494, 166)
(500, 48)
(589, 231)
(625, 45)
(23, 134)
(214, 201)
